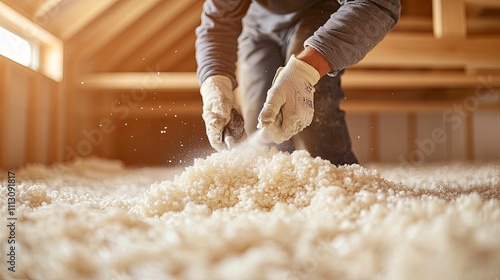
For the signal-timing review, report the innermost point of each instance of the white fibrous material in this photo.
(255, 214)
(250, 180)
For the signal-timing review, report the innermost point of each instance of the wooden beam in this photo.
(101, 32)
(414, 106)
(406, 50)
(411, 23)
(475, 25)
(26, 8)
(483, 25)
(164, 42)
(45, 6)
(141, 31)
(191, 108)
(366, 79)
(352, 79)
(142, 80)
(487, 3)
(449, 18)
(70, 22)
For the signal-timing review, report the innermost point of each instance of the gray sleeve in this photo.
(217, 38)
(355, 29)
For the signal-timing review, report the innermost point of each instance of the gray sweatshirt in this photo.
(350, 33)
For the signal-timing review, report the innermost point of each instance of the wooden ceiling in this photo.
(121, 35)
(158, 35)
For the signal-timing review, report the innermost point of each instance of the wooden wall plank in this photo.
(17, 118)
(45, 101)
(393, 127)
(431, 136)
(32, 112)
(4, 77)
(469, 136)
(359, 130)
(486, 131)
(374, 137)
(410, 138)
(56, 124)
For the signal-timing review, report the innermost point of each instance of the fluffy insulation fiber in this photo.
(255, 215)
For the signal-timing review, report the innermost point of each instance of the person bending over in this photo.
(290, 56)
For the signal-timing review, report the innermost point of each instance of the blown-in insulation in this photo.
(254, 215)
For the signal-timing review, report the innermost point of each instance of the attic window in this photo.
(17, 48)
(29, 44)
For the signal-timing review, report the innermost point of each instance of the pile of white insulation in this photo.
(248, 215)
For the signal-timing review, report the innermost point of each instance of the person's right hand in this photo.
(289, 106)
(224, 124)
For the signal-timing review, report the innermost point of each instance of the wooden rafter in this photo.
(449, 18)
(354, 79)
(101, 32)
(78, 16)
(145, 28)
(164, 41)
(25, 7)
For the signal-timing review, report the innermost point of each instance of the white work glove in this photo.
(223, 122)
(289, 106)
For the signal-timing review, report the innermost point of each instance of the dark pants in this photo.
(266, 43)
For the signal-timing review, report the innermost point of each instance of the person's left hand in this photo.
(289, 106)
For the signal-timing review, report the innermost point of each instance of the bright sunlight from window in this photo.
(16, 48)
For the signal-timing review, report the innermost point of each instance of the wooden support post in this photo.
(449, 18)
